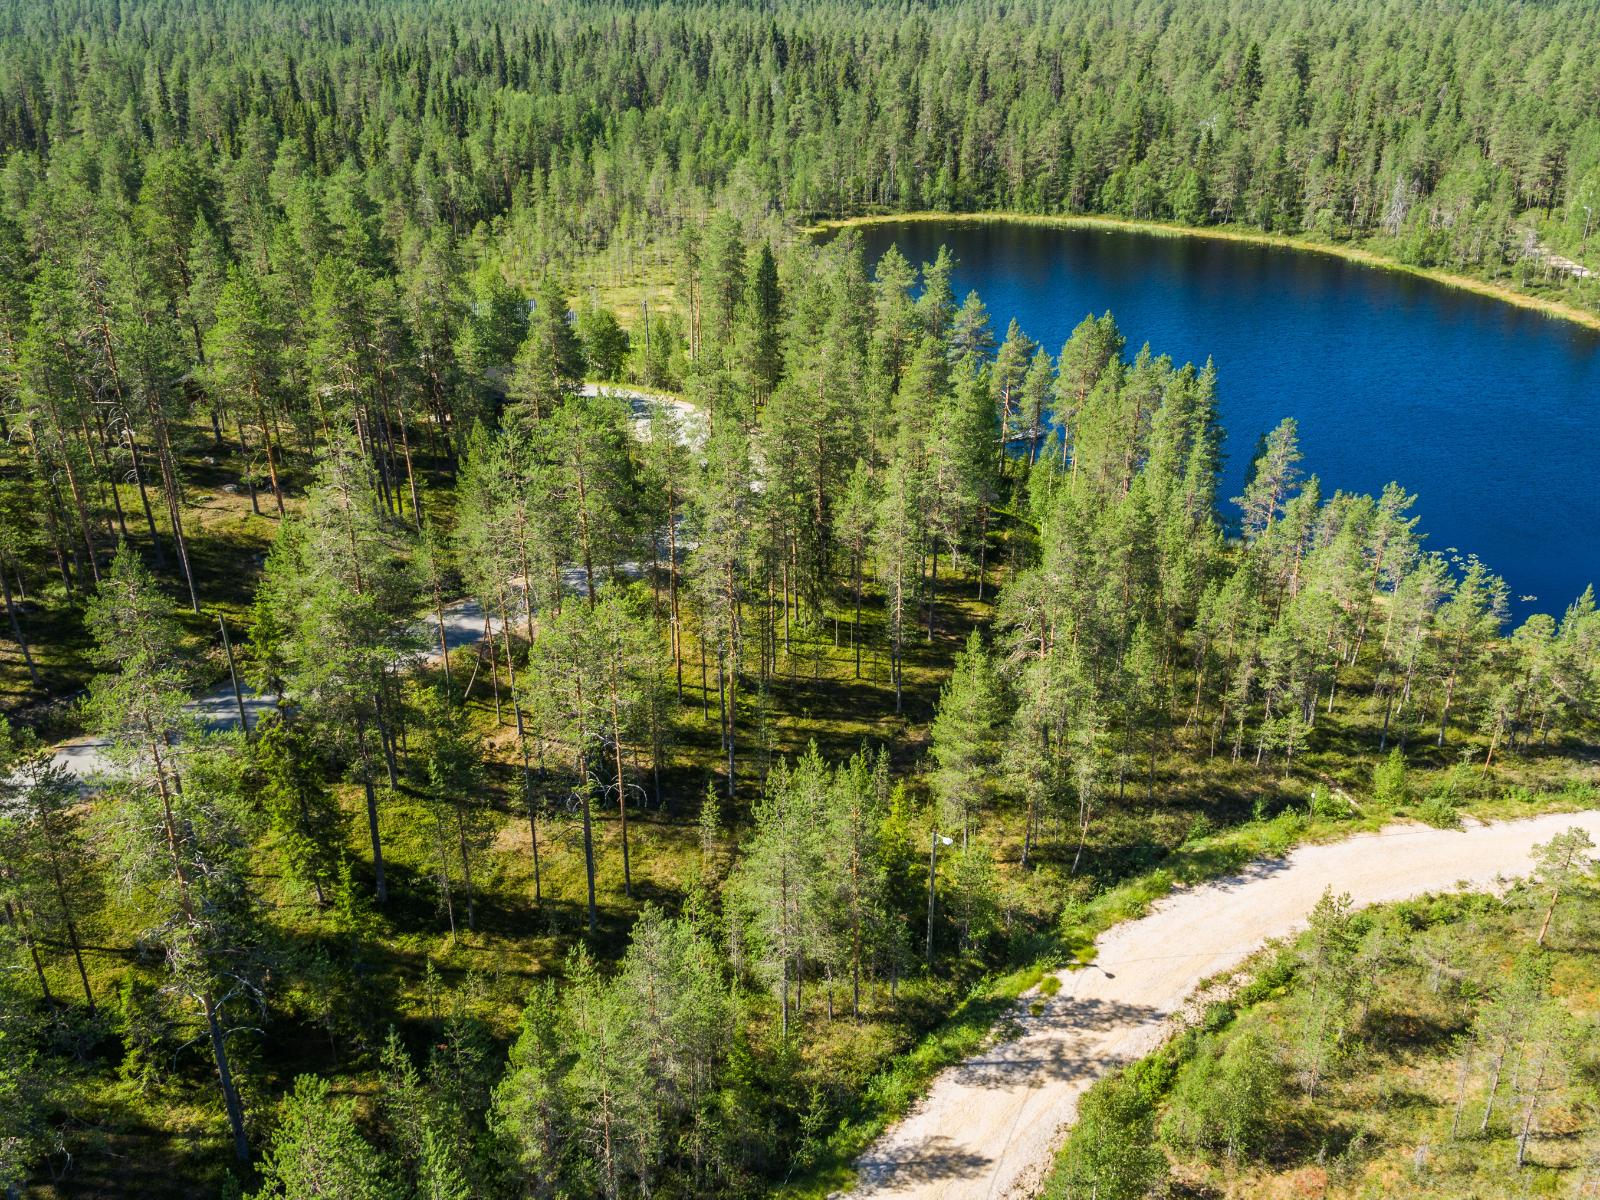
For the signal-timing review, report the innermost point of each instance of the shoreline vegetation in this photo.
(782, 760)
(1556, 309)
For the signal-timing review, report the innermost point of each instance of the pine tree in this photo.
(453, 761)
(668, 472)
(594, 479)
(936, 307)
(970, 335)
(1327, 959)
(338, 593)
(608, 1089)
(141, 347)
(565, 701)
(1007, 382)
(180, 838)
(1274, 474)
(242, 349)
(300, 808)
(672, 987)
(856, 897)
(549, 364)
(779, 876)
(627, 660)
(436, 311)
(1562, 864)
(723, 518)
(854, 518)
(1466, 625)
(605, 343)
(897, 553)
(48, 877)
(529, 1112)
(763, 316)
(1094, 345)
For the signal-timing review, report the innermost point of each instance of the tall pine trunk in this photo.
(16, 627)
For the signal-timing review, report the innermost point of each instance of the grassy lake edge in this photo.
(1556, 309)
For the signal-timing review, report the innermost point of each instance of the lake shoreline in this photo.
(1556, 309)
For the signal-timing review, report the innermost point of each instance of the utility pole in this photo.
(233, 674)
(933, 866)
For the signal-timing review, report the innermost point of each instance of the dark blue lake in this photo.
(1489, 413)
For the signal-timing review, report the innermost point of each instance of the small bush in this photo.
(1440, 812)
(1576, 792)
(1464, 781)
(1282, 832)
(1272, 980)
(1324, 805)
(1389, 783)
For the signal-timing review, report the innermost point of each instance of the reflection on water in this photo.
(1488, 412)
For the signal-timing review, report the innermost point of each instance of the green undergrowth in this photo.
(977, 1020)
(1464, 1065)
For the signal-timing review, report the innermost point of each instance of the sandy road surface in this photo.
(218, 709)
(989, 1126)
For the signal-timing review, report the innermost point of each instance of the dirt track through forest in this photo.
(86, 758)
(989, 1127)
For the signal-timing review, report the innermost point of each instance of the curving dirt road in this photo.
(85, 759)
(988, 1128)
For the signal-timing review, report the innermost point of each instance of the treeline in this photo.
(584, 128)
(249, 212)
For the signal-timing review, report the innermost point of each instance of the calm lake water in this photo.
(1489, 413)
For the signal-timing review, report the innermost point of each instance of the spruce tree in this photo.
(339, 596)
(318, 1151)
(966, 737)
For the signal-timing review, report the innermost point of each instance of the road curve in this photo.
(86, 760)
(988, 1128)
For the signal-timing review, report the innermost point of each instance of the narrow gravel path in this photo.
(85, 757)
(988, 1128)
(218, 710)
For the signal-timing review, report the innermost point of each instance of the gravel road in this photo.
(85, 757)
(989, 1127)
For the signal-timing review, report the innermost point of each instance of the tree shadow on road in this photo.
(1257, 869)
(1069, 1024)
(924, 1161)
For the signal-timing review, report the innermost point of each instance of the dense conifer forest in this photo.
(698, 677)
